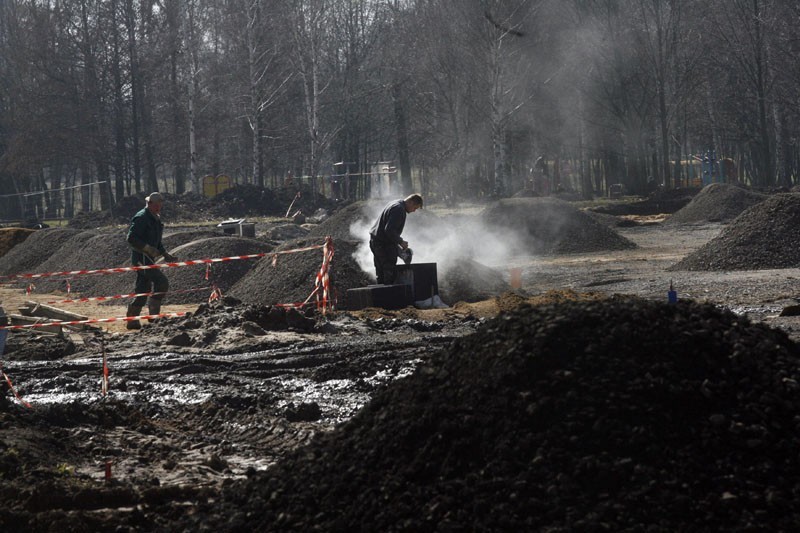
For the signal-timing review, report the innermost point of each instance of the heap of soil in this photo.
(658, 202)
(86, 250)
(224, 274)
(762, 237)
(718, 202)
(618, 415)
(239, 201)
(470, 281)
(91, 250)
(292, 277)
(36, 249)
(173, 240)
(550, 226)
(338, 224)
(10, 237)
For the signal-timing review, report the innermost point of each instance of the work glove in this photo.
(152, 251)
(169, 258)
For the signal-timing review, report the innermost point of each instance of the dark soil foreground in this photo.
(614, 414)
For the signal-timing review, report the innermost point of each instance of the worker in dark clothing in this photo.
(385, 239)
(144, 238)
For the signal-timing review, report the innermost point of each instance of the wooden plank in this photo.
(37, 309)
(19, 320)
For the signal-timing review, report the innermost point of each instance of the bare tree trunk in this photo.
(194, 76)
(401, 124)
(768, 175)
(782, 177)
(174, 14)
(130, 20)
(255, 118)
(501, 186)
(118, 117)
(309, 23)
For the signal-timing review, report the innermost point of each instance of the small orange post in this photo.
(516, 277)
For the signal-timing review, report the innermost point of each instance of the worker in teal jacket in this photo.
(144, 238)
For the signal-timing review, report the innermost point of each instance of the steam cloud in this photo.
(443, 241)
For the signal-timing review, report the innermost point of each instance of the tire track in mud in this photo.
(175, 419)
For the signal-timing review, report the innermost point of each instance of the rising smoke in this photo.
(445, 240)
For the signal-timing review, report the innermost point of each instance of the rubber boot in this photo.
(133, 310)
(154, 307)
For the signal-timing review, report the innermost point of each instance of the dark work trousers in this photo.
(384, 255)
(145, 279)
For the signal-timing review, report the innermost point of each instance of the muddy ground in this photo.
(198, 405)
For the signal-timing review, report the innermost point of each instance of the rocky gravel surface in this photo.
(764, 236)
(718, 202)
(550, 226)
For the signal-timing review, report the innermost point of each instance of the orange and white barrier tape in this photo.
(94, 320)
(162, 265)
(216, 294)
(322, 282)
(120, 296)
(16, 394)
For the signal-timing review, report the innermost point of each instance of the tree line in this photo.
(456, 98)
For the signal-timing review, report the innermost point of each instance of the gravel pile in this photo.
(659, 202)
(10, 237)
(86, 250)
(615, 415)
(470, 281)
(225, 275)
(173, 240)
(764, 236)
(718, 202)
(70, 249)
(238, 201)
(550, 226)
(338, 224)
(292, 277)
(35, 250)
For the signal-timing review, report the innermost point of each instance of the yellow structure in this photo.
(212, 186)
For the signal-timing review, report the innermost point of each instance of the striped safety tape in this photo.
(94, 320)
(161, 265)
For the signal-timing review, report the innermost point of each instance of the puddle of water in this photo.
(743, 310)
(172, 393)
(338, 399)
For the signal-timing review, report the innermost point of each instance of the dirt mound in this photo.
(762, 237)
(238, 201)
(292, 277)
(86, 250)
(173, 240)
(99, 250)
(338, 224)
(718, 202)
(35, 250)
(550, 226)
(470, 281)
(10, 237)
(617, 415)
(250, 200)
(658, 202)
(224, 274)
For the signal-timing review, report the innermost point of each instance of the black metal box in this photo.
(384, 296)
(422, 278)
